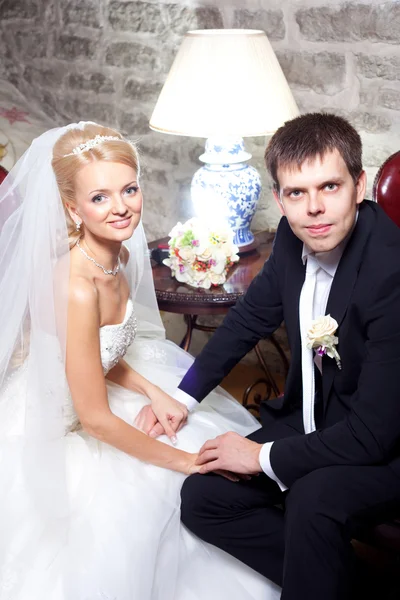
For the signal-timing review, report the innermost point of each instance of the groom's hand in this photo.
(230, 452)
(147, 421)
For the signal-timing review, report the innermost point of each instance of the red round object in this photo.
(3, 174)
(386, 188)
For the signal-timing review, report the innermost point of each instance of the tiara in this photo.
(92, 143)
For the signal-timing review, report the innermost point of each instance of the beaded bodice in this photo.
(116, 339)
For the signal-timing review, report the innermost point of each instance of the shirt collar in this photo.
(329, 261)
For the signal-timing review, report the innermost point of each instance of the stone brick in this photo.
(308, 71)
(136, 16)
(386, 23)
(18, 9)
(257, 142)
(370, 122)
(183, 19)
(48, 12)
(45, 76)
(389, 98)
(5, 50)
(351, 22)
(134, 124)
(153, 149)
(195, 147)
(77, 109)
(374, 156)
(50, 105)
(270, 21)
(78, 12)
(10, 72)
(156, 224)
(384, 67)
(71, 47)
(156, 176)
(91, 82)
(130, 54)
(363, 120)
(142, 90)
(368, 95)
(266, 218)
(161, 19)
(139, 57)
(31, 43)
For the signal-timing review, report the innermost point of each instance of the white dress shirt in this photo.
(328, 263)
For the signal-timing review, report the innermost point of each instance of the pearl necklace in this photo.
(113, 271)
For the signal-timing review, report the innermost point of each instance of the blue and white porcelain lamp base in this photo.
(226, 188)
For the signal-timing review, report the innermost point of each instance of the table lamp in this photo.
(225, 84)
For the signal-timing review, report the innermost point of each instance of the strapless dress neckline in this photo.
(128, 313)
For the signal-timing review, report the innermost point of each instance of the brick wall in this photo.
(106, 60)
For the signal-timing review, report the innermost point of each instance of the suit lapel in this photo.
(295, 275)
(343, 285)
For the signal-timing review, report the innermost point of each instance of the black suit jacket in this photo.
(360, 423)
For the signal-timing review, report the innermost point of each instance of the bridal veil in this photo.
(34, 276)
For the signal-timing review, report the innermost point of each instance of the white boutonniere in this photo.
(321, 337)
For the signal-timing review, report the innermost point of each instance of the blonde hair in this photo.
(66, 167)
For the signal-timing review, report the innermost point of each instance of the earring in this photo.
(78, 226)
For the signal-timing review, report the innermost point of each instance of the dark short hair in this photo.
(312, 135)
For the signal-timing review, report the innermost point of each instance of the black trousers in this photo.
(300, 539)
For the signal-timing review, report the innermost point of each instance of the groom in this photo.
(328, 453)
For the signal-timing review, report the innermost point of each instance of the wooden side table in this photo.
(175, 297)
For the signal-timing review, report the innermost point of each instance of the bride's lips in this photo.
(316, 230)
(121, 223)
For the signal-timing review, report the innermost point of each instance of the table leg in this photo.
(268, 381)
(190, 321)
(266, 370)
(281, 353)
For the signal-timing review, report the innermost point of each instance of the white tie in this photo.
(307, 355)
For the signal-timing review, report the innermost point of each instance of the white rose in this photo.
(197, 275)
(229, 249)
(199, 280)
(205, 283)
(183, 277)
(320, 328)
(205, 254)
(186, 254)
(217, 279)
(176, 231)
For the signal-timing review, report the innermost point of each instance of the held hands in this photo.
(190, 464)
(232, 453)
(165, 415)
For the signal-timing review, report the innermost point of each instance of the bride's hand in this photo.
(146, 420)
(171, 414)
(191, 466)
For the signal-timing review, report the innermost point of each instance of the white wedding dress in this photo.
(124, 539)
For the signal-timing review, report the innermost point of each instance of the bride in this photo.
(89, 504)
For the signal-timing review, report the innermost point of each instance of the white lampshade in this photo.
(224, 82)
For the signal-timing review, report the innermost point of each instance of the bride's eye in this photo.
(97, 198)
(131, 190)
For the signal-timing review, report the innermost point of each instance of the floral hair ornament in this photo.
(92, 143)
(321, 338)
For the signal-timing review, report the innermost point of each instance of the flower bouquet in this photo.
(200, 255)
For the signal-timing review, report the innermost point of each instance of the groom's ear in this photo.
(278, 200)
